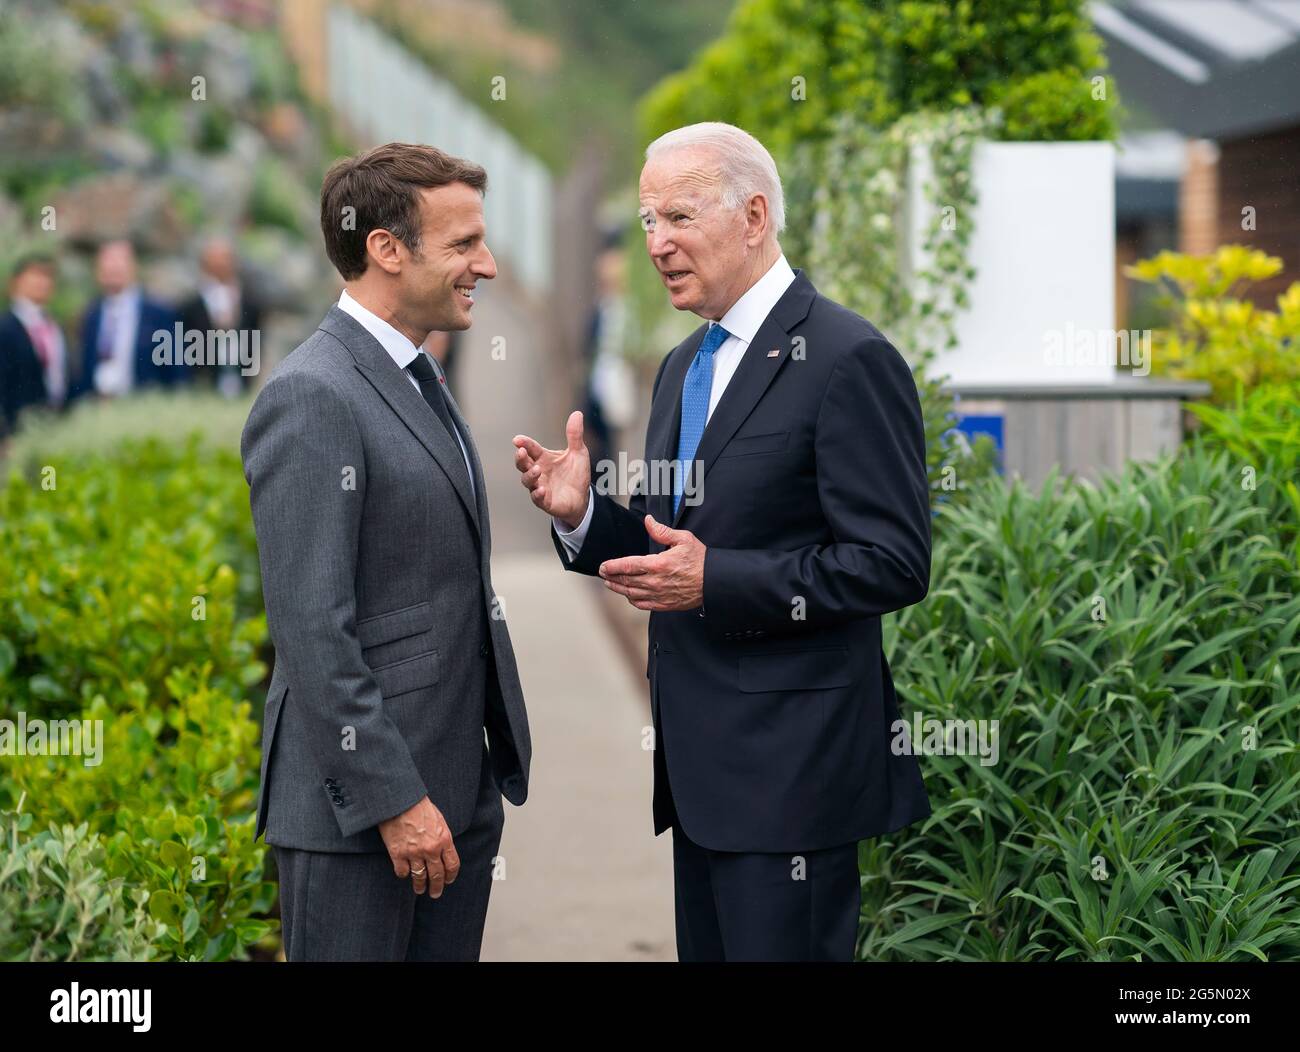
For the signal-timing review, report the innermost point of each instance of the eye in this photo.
(680, 217)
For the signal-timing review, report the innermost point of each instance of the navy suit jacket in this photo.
(773, 705)
(22, 381)
(153, 316)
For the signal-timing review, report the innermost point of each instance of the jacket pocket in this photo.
(795, 670)
(747, 445)
(396, 624)
(413, 673)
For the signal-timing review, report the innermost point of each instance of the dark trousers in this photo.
(352, 907)
(753, 906)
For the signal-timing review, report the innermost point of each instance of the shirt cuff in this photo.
(572, 539)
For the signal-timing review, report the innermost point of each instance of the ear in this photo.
(756, 220)
(384, 250)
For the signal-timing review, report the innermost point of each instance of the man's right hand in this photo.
(420, 846)
(558, 480)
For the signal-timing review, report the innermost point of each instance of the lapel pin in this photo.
(774, 352)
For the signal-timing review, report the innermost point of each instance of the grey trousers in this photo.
(352, 907)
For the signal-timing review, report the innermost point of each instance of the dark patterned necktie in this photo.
(431, 387)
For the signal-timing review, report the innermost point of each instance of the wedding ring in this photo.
(417, 872)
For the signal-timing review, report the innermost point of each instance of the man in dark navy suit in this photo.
(802, 517)
(33, 362)
(117, 336)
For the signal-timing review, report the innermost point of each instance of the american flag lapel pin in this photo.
(774, 352)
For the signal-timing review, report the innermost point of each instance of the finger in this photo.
(451, 863)
(662, 534)
(529, 446)
(522, 460)
(573, 431)
(627, 566)
(437, 878)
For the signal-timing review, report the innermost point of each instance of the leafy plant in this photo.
(57, 903)
(1217, 335)
(1137, 643)
(787, 70)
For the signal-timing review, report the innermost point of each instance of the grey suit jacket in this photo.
(391, 656)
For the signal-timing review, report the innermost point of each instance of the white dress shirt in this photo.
(119, 322)
(402, 351)
(742, 321)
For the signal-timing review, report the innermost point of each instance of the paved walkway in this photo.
(584, 877)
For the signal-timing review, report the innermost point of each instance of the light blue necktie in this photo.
(695, 406)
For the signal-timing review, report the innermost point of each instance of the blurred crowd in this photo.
(117, 346)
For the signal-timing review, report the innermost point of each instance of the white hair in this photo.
(747, 167)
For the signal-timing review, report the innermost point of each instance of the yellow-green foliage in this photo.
(1216, 335)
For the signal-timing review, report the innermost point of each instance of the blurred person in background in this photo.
(117, 336)
(224, 302)
(610, 391)
(33, 354)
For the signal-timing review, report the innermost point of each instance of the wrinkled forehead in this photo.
(680, 176)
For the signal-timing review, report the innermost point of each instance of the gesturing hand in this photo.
(420, 846)
(670, 580)
(558, 480)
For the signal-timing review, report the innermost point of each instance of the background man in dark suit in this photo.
(379, 786)
(223, 302)
(805, 517)
(33, 356)
(117, 336)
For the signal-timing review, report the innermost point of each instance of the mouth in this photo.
(674, 278)
(466, 292)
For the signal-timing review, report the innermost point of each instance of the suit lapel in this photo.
(397, 390)
(752, 377)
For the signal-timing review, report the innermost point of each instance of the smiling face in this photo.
(707, 254)
(435, 287)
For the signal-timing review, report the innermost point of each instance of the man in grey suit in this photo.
(395, 720)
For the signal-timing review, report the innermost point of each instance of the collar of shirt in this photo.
(399, 348)
(126, 300)
(752, 309)
(27, 312)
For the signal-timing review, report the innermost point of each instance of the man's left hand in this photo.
(671, 580)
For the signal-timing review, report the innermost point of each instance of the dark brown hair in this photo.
(383, 185)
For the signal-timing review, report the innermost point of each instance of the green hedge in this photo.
(1137, 642)
(883, 59)
(106, 555)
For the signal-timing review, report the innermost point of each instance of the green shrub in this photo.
(172, 801)
(1216, 334)
(106, 554)
(118, 570)
(881, 60)
(57, 903)
(1137, 642)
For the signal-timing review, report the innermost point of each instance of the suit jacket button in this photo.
(483, 650)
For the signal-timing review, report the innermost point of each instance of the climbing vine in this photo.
(850, 220)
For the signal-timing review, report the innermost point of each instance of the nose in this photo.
(659, 244)
(485, 266)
